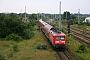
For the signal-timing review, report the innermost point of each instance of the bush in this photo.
(10, 54)
(82, 48)
(85, 23)
(14, 37)
(42, 46)
(26, 58)
(63, 30)
(15, 47)
(2, 57)
(28, 34)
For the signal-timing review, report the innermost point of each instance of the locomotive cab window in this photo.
(62, 37)
(59, 37)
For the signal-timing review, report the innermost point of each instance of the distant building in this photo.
(25, 20)
(87, 19)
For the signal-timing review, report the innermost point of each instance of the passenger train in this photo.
(56, 37)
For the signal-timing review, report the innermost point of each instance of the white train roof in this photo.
(52, 29)
(49, 26)
(46, 24)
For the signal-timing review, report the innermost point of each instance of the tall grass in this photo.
(78, 50)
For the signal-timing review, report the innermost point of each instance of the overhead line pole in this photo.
(37, 15)
(60, 17)
(78, 16)
(25, 13)
(21, 13)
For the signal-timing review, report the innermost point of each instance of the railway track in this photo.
(79, 34)
(79, 37)
(64, 55)
(80, 40)
(87, 33)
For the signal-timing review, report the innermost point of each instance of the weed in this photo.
(10, 54)
(5, 45)
(82, 48)
(42, 46)
(2, 57)
(26, 58)
(15, 47)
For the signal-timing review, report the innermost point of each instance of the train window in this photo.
(59, 37)
(62, 37)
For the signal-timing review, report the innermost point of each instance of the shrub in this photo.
(26, 58)
(28, 34)
(15, 47)
(88, 23)
(2, 57)
(82, 48)
(85, 23)
(10, 54)
(42, 46)
(14, 37)
(63, 30)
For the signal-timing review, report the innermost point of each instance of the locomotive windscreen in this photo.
(59, 37)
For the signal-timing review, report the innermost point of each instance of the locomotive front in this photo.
(60, 40)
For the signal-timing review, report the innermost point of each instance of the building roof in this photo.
(87, 19)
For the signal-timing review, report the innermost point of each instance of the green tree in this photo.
(2, 16)
(72, 16)
(33, 16)
(13, 24)
(66, 14)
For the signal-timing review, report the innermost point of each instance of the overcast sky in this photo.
(45, 6)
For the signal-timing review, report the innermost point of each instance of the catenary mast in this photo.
(25, 13)
(60, 17)
(78, 16)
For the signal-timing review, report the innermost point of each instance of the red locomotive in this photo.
(57, 38)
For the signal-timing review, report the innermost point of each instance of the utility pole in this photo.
(37, 15)
(78, 16)
(86, 15)
(60, 17)
(21, 13)
(41, 15)
(55, 16)
(25, 13)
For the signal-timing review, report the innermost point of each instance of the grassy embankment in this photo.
(73, 47)
(27, 49)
